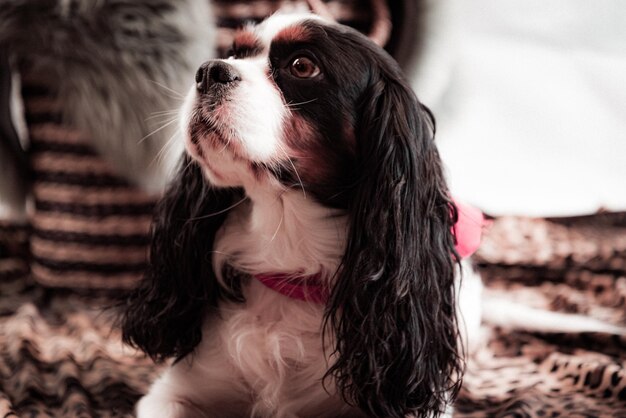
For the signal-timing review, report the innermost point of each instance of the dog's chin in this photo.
(221, 166)
(225, 163)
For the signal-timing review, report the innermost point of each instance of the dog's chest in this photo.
(291, 234)
(273, 342)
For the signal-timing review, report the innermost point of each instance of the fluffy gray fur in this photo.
(116, 63)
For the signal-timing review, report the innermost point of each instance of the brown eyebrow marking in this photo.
(295, 33)
(246, 44)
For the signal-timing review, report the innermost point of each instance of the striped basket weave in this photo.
(90, 228)
(14, 266)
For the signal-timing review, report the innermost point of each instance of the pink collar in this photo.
(467, 232)
(308, 288)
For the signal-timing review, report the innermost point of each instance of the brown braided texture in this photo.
(61, 356)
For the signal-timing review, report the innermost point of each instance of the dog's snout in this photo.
(215, 71)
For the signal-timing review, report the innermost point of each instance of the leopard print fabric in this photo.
(61, 355)
(571, 266)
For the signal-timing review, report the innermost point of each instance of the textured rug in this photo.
(60, 356)
(568, 265)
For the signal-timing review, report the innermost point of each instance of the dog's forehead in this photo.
(278, 25)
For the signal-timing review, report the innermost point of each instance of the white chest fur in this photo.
(285, 232)
(274, 344)
(262, 358)
(271, 346)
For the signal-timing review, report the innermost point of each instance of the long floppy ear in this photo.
(393, 306)
(164, 313)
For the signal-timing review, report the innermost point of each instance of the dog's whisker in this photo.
(170, 96)
(165, 148)
(179, 95)
(278, 227)
(294, 168)
(291, 105)
(160, 120)
(162, 113)
(219, 212)
(165, 111)
(225, 147)
(164, 117)
(158, 130)
(189, 164)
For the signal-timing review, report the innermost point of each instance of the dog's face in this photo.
(282, 110)
(311, 104)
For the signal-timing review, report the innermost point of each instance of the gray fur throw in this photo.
(119, 69)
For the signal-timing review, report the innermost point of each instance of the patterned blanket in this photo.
(567, 265)
(60, 354)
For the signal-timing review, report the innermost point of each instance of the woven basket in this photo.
(89, 226)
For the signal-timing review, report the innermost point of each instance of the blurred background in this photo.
(530, 102)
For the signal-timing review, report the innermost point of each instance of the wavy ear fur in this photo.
(164, 313)
(393, 307)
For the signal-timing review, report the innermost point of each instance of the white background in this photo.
(530, 98)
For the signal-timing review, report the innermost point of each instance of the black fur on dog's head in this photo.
(344, 125)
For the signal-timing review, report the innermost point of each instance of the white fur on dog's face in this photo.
(247, 126)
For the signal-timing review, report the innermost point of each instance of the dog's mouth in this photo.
(214, 144)
(211, 144)
(209, 133)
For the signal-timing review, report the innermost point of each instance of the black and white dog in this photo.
(303, 261)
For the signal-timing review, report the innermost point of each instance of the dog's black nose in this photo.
(215, 71)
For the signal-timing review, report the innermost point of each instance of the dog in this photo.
(304, 260)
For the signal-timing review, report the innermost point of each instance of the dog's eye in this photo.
(303, 67)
